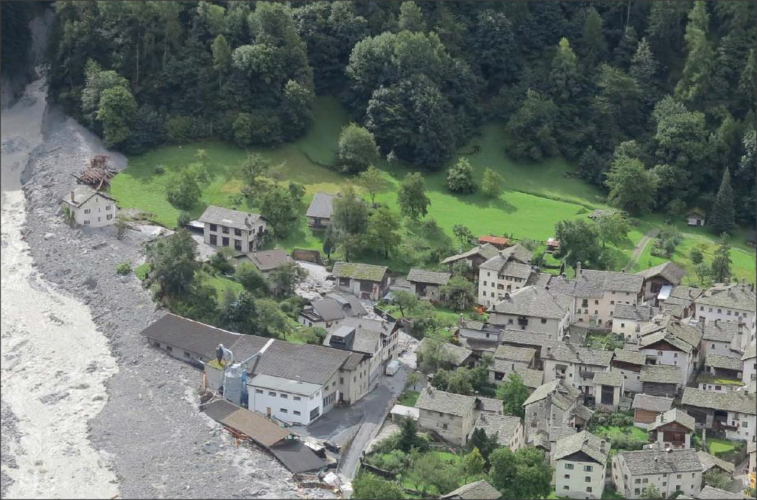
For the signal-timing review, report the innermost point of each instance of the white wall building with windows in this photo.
(290, 401)
(89, 207)
(239, 231)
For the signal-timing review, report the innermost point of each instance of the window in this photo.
(568, 466)
(544, 321)
(510, 321)
(596, 302)
(186, 354)
(444, 426)
(566, 476)
(637, 481)
(297, 413)
(224, 230)
(612, 302)
(109, 216)
(283, 410)
(717, 387)
(271, 393)
(237, 232)
(258, 391)
(238, 245)
(213, 239)
(713, 346)
(169, 348)
(720, 310)
(284, 396)
(678, 476)
(678, 487)
(636, 491)
(213, 227)
(565, 487)
(341, 380)
(588, 468)
(225, 241)
(588, 489)
(86, 222)
(587, 479)
(645, 481)
(86, 211)
(108, 207)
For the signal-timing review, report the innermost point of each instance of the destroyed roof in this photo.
(669, 271)
(724, 362)
(511, 353)
(231, 218)
(569, 353)
(710, 493)
(83, 193)
(675, 415)
(519, 337)
(719, 331)
(267, 260)
(502, 425)
(250, 423)
(284, 385)
(297, 456)
(731, 297)
(657, 461)
(751, 352)
(321, 207)
(613, 379)
(630, 357)
(651, 403)
(709, 461)
(585, 442)
(533, 301)
(634, 312)
(563, 395)
(358, 271)
(190, 335)
(458, 354)
(661, 374)
(736, 401)
(480, 490)
(432, 399)
(486, 251)
(424, 276)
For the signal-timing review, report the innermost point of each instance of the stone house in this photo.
(749, 360)
(240, 231)
(479, 490)
(628, 364)
(519, 338)
(721, 373)
(506, 271)
(457, 355)
(672, 429)
(710, 462)
(634, 472)
(721, 337)
(630, 319)
(330, 311)
(732, 304)
(577, 366)
(89, 207)
(580, 465)
(553, 404)
(608, 388)
(680, 301)
(426, 284)
(646, 408)
(661, 380)
(320, 210)
(672, 342)
(734, 412)
(452, 416)
(533, 309)
(666, 274)
(509, 430)
(267, 261)
(362, 280)
(507, 358)
(473, 257)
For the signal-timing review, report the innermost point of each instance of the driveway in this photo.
(640, 246)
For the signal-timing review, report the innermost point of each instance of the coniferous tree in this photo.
(593, 44)
(722, 218)
(700, 59)
(721, 262)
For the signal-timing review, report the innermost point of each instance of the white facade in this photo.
(577, 375)
(749, 374)
(553, 327)
(576, 479)
(241, 240)
(493, 286)
(602, 309)
(631, 381)
(685, 361)
(286, 400)
(628, 328)
(744, 426)
(634, 486)
(718, 347)
(711, 313)
(97, 211)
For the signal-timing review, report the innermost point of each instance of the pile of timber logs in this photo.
(98, 173)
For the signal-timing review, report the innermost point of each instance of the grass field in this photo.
(536, 196)
(717, 446)
(412, 481)
(408, 398)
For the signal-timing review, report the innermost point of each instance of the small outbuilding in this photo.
(695, 217)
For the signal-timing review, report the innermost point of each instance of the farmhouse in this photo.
(533, 309)
(669, 341)
(672, 429)
(721, 373)
(661, 380)
(505, 272)
(508, 429)
(474, 257)
(647, 408)
(630, 319)
(722, 338)
(628, 364)
(89, 207)
(577, 366)
(330, 311)
(553, 404)
(580, 462)
(426, 284)
(362, 280)
(735, 412)
(608, 388)
(634, 472)
(452, 416)
(730, 303)
(320, 210)
(243, 232)
(655, 278)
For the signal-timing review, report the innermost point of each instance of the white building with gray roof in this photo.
(240, 231)
(330, 311)
(451, 416)
(646, 408)
(90, 207)
(672, 342)
(507, 271)
(630, 319)
(730, 303)
(634, 472)
(577, 366)
(580, 465)
(533, 309)
(427, 284)
(733, 411)
(508, 429)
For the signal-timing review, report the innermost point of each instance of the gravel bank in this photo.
(158, 443)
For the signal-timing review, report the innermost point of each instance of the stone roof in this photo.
(720, 331)
(519, 337)
(423, 276)
(321, 207)
(582, 411)
(531, 378)
(502, 425)
(533, 301)
(709, 461)
(661, 336)
(432, 399)
(732, 297)
(669, 271)
(558, 432)
(569, 353)
(725, 362)
(651, 403)
(358, 271)
(353, 361)
(364, 340)
(656, 461)
(538, 279)
(491, 405)
(736, 401)
(82, 193)
(510, 353)
(661, 374)
(480, 490)
(751, 352)
(267, 260)
(685, 293)
(585, 442)
(634, 312)
(613, 379)
(609, 281)
(227, 217)
(486, 251)
(673, 416)
(539, 439)
(710, 493)
(630, 357)
(676, 333)
(563, 395)
(331, 308)
(458, 354)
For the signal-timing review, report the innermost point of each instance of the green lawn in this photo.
(536, 196)
(717, 446)
(707, 378)
(411, 481)
(408, 398)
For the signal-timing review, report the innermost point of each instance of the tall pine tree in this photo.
(722, 218)
(721, 262)
(701, 57)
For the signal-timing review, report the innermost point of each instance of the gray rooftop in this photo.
(720, 331)
(630, 357)
(685, 293)
(432, 399)
(569, 353)
(533, 301)
(669, 271)
(267, 260)
(502, 425)
(585, 442)
(563, 395)
(651, 403)
(724, 362)
(732, 297)
(736, 401)
(331, 308)
(322, 206)
(514, 254)
(480, 490)
(357, 271)
(423, 276)
(531, 378)
(606, 281)
(613, 379)
(710, 461)
(750, 352)
(190, 335)
(485, 251)
(82, 193)
(491, 405)
(227, 217)
(656, 461)
(634, 312)
(511, 353)
(284, 385)
(457, 353)
(710, 493)
(661, 374)
(519, 337)
(675, 415)
(364, 340)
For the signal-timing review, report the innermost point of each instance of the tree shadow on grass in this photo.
(498, 203)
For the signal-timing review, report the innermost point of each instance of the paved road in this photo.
(640, 248)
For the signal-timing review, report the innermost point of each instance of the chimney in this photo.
(299, 381)
(602, 446)
(578, 269)
(586, 441)
(549, 351)
(72, 197)
(507, 295)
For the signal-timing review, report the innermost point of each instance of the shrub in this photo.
(183, 192)
(123, 268)
(357, 149)
(178, 129)
(460, 177)
(259, 129)
(183, 219)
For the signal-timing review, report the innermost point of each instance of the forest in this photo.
(659, 96)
